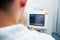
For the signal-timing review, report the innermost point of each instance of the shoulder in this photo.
(33, 35)
(39, 36)
(27, 34)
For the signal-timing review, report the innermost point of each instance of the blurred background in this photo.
(53, 9)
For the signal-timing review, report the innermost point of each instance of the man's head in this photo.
(11, 10)
(4, 4)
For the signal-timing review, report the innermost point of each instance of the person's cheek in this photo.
(21, 10)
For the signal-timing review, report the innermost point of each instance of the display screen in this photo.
(37, 19)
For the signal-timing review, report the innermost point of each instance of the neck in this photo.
(7, 20)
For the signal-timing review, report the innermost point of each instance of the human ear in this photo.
(23, 3)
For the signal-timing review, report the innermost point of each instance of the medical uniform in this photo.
(20, 32)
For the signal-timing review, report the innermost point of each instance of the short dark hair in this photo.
(4, 4)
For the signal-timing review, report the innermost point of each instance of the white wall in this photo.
(47, 5)
(55, 12)
(58, 20)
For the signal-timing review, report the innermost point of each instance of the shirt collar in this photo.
(13, 29)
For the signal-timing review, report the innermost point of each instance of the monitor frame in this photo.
(38, 12)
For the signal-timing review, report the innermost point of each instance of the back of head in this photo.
(11, 11)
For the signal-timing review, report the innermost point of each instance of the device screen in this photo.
(37, 19)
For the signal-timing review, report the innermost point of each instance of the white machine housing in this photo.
(38, 12)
